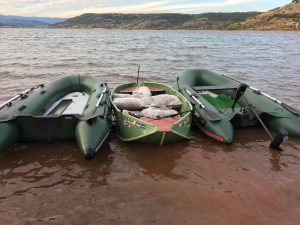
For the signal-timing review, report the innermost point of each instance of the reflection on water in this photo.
(157, 162)
(276, 163)
(191, 182)
(42, 166)
(281, 160)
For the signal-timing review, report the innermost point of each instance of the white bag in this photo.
(142, 92)
(129, 103)
(156, 113)
(117, 95)
(171, 101)
(147, 102)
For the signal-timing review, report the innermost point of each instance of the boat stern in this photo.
(90, 136)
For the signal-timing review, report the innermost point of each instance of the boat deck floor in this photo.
(72, 103)
(220, 101)
(163, 125)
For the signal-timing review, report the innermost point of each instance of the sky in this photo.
(71, 8)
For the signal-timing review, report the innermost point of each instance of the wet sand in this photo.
(193, 182)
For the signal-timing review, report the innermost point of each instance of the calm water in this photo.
(193, 182)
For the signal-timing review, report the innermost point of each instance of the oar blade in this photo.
(280, 137)
(212, 116)
(291, 109)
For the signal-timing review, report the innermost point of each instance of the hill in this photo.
(154, 21)
(21, 21)
(281, 18)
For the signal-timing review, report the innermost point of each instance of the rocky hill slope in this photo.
(281, 18)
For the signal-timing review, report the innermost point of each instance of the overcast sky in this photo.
(70, 8)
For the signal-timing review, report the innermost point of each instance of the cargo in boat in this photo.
(133, 124)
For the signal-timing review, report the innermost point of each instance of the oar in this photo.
(291, 109)
(97, 111)
(8, 102)
(101, 97)
(283, 134)
(20, 95)
(211, 115)
(279, 138)
(287, 107)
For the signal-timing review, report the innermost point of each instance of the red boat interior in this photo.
(164, 124)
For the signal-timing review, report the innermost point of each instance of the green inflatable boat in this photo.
(72, 107)
(222, 104)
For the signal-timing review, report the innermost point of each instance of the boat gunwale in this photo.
(145, 83)
(140, 120)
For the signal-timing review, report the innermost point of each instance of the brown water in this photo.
(192, 182)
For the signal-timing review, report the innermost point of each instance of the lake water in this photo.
(192, 182)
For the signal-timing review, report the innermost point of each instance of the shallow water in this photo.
(192, 182)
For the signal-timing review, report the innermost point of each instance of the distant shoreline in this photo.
(82, 28)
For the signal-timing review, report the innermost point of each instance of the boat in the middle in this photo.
(154, 119)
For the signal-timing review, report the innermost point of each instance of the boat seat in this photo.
(71, 104)
(153, 90)
(232, 111)
(218, 87)
(239, 111)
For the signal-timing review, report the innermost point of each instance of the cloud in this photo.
(42, 7)
(160, 6)
(70, 8)
(137, 8)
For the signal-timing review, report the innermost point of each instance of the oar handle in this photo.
(266, 95)
(197, 100)
(101, 97)
(211, 115)
(20, 95)
(15, 98)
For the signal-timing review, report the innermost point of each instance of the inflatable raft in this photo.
(222, 104)
(70, 107)
(134, 125)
